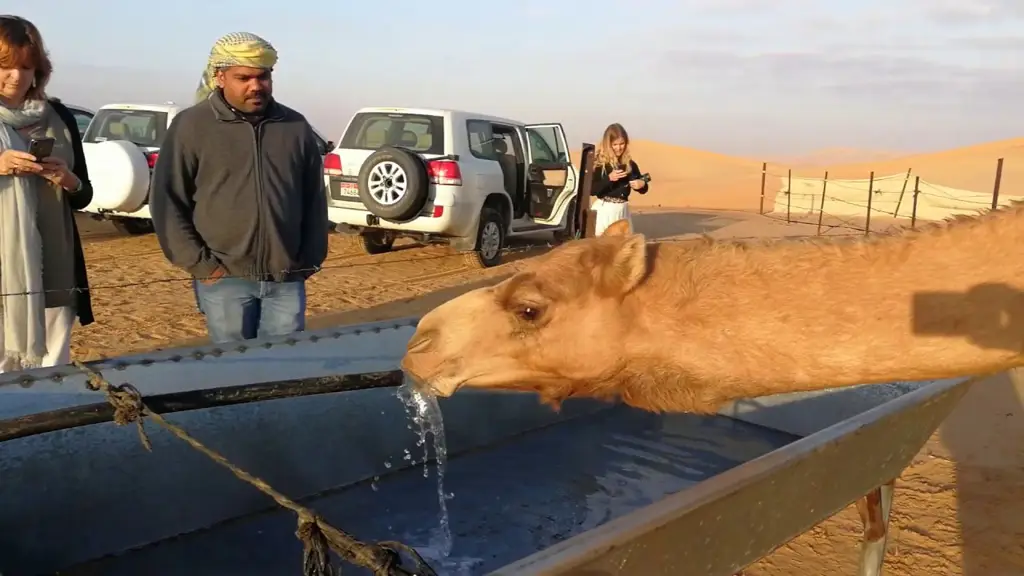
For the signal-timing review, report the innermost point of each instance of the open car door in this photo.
(550, 177)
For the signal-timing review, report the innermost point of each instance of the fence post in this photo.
(789, 194)
(764, 173)
(896, 213)
(999, 180)
(871, 194)
(917, 191)
(821, 205)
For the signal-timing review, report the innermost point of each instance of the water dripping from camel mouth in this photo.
(424, 412)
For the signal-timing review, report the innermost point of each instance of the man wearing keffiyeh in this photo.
(237, 196)
(253, 55)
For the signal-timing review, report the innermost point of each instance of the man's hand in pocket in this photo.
(212, 278)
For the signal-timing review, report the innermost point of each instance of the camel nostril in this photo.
(420, 341)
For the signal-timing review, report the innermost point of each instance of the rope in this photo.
(316, 535)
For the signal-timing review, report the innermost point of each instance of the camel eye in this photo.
(528, 313)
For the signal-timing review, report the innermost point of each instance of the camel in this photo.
(687, 327)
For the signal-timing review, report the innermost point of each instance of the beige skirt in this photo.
(608, 213)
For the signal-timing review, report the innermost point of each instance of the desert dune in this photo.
(690, 178)
(835, 157)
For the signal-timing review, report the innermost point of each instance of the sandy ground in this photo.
(142, 303)
(959, 507)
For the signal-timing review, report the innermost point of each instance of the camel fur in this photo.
(686, 327)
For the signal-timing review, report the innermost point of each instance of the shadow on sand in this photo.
(661, 225)
(984, 437)
(654, 224)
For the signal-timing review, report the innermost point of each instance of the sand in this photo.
(959, 507)
(142, 303)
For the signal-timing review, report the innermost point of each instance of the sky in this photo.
(745, 77)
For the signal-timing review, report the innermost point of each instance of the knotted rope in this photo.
(316, 535)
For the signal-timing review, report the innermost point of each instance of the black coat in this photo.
(603, 188)
(78, 201)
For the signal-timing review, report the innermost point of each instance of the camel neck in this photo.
(806, 315)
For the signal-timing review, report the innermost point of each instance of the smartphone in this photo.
(41, 148)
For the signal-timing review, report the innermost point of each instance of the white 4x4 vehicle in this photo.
(121, 147)
(468, 179)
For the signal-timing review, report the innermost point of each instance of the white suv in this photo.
(121, 145)
(468, 179)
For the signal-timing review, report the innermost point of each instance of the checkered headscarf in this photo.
(235, 49)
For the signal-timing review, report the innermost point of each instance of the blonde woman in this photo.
(616, 175)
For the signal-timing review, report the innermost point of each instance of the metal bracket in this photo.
(874, 509)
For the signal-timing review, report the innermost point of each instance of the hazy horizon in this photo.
(743, 77)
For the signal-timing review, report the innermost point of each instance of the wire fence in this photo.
(911, 193)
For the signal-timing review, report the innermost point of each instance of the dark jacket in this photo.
(77, 201)
(602, 187)
(245, 196)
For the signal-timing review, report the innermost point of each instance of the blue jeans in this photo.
(238, 309)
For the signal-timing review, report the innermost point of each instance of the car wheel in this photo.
(490, 240)
(378, 242)
(132, 226)
(393, 184)
(571, 230)
(367, 242)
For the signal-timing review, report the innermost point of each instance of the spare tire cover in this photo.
(119, 175)
(393, 184)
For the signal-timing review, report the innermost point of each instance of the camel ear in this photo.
(627, 267)
(617, 228)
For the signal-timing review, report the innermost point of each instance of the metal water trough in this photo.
(596, 489)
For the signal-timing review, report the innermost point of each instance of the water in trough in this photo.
(513, 497)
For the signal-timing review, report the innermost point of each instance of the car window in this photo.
(481, 139)
(546, 145)
(416, 132)
(142, 127)
(82, 119)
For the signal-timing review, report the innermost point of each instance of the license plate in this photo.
(348, 189)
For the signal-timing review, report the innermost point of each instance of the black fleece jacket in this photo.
(241, 194)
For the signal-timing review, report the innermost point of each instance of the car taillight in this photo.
(444, 172)
(332, 165)
(151, 159)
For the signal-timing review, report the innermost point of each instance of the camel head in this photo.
(559, 328)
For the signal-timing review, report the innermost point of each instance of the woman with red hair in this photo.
(43, 283)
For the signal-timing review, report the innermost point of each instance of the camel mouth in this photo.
(437, 386)
(446, 385)
(445, 388)
(441, 392)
